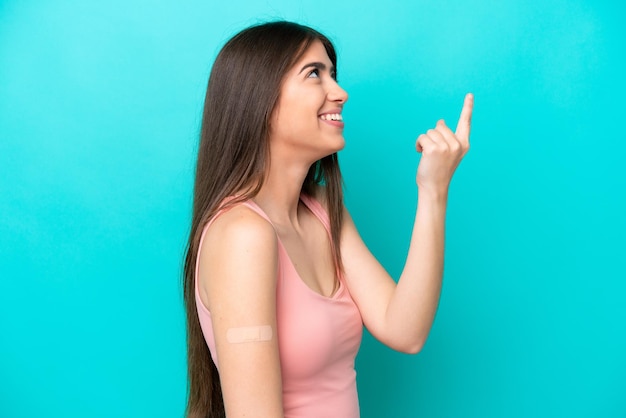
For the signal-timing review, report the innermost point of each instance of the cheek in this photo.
(296, 115)
(297, 110)
(284, 123)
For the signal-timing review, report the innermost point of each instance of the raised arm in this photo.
(238, 266)
(401, 315)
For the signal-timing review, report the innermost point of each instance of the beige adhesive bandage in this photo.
(249, 334)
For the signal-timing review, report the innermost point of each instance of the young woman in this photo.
(278, 283)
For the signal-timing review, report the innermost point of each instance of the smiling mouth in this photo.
(332, 116)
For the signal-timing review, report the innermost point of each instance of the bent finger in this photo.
(437, 138)
(447, 134)
(424, 143)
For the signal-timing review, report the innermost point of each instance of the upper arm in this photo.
(370, 285)
(237, 273)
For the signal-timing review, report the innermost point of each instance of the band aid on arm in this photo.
(249, 334)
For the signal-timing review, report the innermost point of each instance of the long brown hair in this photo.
(233, 156)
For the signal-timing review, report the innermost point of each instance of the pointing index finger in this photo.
(465, 120)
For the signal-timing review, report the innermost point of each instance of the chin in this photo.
(328, 146)
(343, 145)
(339, 145)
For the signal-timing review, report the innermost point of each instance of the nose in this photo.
(336, 93)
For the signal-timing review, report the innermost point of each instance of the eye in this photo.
(314, 73)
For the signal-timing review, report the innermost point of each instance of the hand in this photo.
(443, 150)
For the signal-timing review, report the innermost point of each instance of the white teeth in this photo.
(332, 116)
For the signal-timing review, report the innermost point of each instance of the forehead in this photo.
(314, 53)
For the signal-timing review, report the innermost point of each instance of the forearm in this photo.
(401, 314)
(412, 308)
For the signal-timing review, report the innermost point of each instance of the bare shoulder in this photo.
(241, 225)
(239, 251)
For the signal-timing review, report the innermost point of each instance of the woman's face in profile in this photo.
(307, 118)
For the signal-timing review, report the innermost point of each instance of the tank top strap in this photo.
(250, 203)
(318, 210)
(313, 204)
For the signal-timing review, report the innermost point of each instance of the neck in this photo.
(280, 195)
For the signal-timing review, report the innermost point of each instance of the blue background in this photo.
(100, 106)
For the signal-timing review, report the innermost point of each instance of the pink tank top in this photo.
(318, 337)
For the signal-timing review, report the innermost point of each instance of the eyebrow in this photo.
(319, 65)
